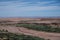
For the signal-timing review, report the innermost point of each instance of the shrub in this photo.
(39, 27)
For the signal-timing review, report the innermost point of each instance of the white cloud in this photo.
(38, 8)
(17, 6)
(18, 3)
(45, 2)
(14, 3)
(29, 8)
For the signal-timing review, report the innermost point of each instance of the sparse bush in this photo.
(11, 36)
(39, 27)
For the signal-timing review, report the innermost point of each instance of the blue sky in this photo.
(29, 8)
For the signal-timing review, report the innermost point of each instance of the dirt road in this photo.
(46, 35)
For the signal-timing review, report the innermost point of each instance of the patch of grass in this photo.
(11, 36)
(39, 27)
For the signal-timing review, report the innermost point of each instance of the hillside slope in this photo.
(18, 30)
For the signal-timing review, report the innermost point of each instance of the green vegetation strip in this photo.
(39, 27)
(10, 36)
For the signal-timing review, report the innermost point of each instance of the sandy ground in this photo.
(18, 30)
